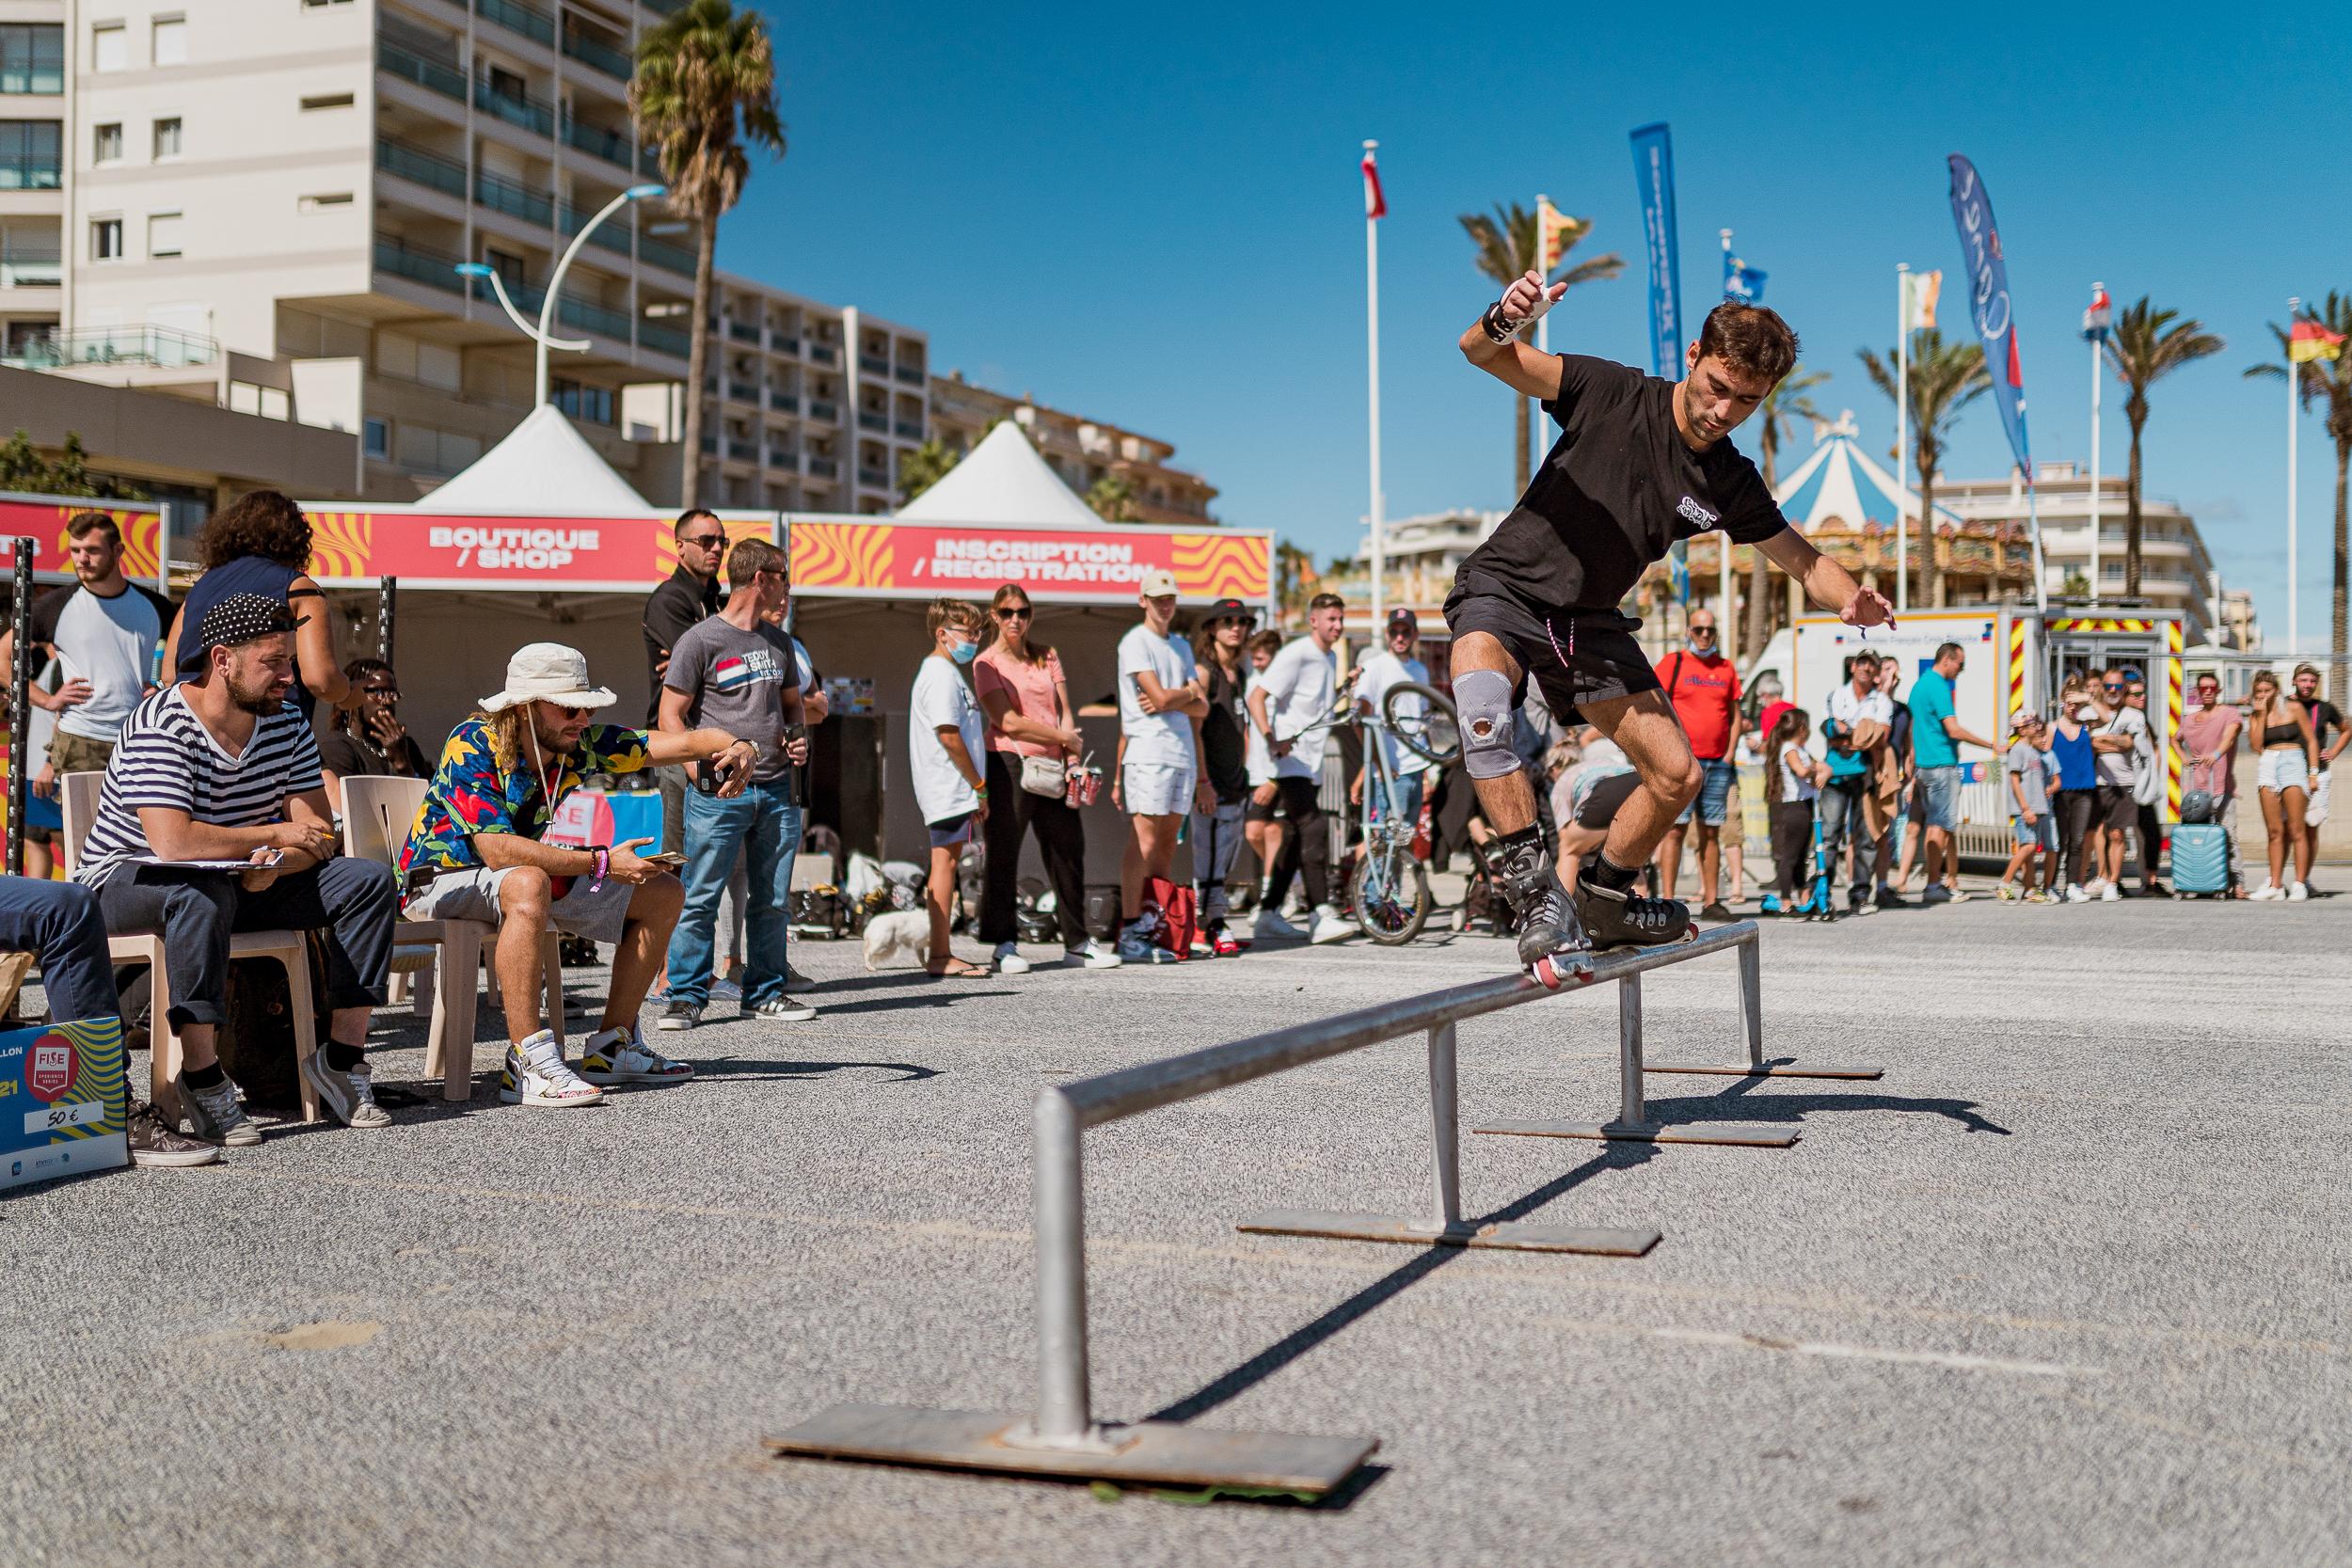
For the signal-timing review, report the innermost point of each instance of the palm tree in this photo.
(1506, 250)
(1112, 498)
(1786, 400)
(1945, 379)
(706, 81)
(2146, 345)
(2330, 380)
(924, 467)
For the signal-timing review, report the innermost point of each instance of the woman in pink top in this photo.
(1021, 688)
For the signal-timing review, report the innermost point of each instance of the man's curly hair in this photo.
(266, 523)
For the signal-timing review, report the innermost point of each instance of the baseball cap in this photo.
(1770, 716)
(1158, 583)
(1404, 620)
(1229, 610)
(242, 618)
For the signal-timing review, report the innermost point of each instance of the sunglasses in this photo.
(570, 712)
(707, 541)
(1015, 613)
(1702, 631)
(2111, 686)
(391, 691)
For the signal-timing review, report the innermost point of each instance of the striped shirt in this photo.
(167, 757)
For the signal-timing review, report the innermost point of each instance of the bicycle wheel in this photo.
(1391, 892)
(1422, 720)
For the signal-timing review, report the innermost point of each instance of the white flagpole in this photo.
(1727, 617)
(1372, 367)
(1902, 436)
(2097, 348)
(2295, 639)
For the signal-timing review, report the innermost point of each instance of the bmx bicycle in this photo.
(1389, 889)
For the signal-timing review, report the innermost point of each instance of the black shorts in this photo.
(1575, 655)
(2116, 807)
(1269, 811)
(1601, 807)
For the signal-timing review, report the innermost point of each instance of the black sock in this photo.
(204, 1077)
(342, 1058)
(1529, 837)
(1607, 873)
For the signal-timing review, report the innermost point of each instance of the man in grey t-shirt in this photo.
(733, 672)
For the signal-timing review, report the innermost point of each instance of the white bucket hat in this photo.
(548, 673)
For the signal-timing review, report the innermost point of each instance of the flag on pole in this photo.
(1741, 281)
(2308, 340)
(1554, 232)
(1921, 290)
(2099, 318)
(1375, 206)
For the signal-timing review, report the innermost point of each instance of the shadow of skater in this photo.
(1228, 1386)
(736, 1066)
(1795, 1107)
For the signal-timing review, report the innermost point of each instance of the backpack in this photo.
(1179, 916)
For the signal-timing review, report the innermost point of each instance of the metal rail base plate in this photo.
(1148, 1451)
(1740, 1134)
(1775, 1070)
(1509, 1237)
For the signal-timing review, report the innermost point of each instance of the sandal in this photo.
(955, 969)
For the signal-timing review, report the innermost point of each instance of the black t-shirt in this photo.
(1615, 492)
(682, 599)
(2324, 719)
(1221, 737)
(344, 755)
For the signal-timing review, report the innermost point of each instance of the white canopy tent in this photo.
(542, 467)
(1001, 482)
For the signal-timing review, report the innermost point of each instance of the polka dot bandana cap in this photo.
(242, 618)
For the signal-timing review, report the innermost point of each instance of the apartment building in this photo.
(264, 205)
(806, 407)
(1083, 452)
(2176, 571)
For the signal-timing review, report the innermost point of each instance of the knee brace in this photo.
(1482, 698)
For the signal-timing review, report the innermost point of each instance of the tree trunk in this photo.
(697, 362)
(2336, 652)
(1931, 576)
(2131, 523)
(1519, 447)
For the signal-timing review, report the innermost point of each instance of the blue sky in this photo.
(1152, 214)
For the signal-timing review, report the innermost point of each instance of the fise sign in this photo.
(49, 1067)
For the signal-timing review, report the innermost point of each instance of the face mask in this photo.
(1705, 650)
(964, 653)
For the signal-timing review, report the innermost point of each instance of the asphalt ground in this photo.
(2069, 1284)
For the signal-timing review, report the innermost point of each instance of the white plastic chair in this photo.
(379, 812)
(78, 796)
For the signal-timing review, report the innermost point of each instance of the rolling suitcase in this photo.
(2200, 860)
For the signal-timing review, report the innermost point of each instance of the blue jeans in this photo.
(1941, 787)
(1404, 795)
(764, 827)
(1718, 778)
(60, 921)
(1840, 811)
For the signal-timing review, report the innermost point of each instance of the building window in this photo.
(163, 233)
(166, 138)
(29, 150)
(106, 144)
(105, 239)
(171, 41)
(109, 47)
(377, 437)
(32, 58)
(593, 405)
(327, 100)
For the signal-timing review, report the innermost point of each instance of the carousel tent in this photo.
(1001, 482)
(1839, 481)
(544, 466)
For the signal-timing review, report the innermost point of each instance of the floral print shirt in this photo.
(469, 796)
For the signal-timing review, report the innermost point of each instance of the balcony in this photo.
(910, 430)
(824, 354)
(532, 23)
(784, 458)
(663, 340)
(669, 258)
(605, 236)
(443, 76)
(115, 345)
(873, 479)
(526, 111)
(786, 403)
(593, 318)
(744, 332)
(502, 195)
(878, 423)
(743, 451)
(613, 62)
(613, 147)
(787, 346)
(825, 413)
(431, 268)
(822, 468)
(873, 364)
(912, 374)
(33, 267)
(445, 175)
(743, 391)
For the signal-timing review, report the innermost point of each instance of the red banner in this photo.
(43, 522)
(455, 550)
(1104, 566)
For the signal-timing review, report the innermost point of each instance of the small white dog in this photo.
(898, 940)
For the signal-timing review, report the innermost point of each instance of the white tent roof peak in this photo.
(1001, 481)
(542, 467)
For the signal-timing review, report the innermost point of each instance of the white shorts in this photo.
(474, 895)
(2315, 809)
(2284, 768)
(1157, 788)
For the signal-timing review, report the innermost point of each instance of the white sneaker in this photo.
(2075, 893)
(2296, 893)
(2267, 892)
(2110, 893)
(1332, 925)
(1009, 960)
(348, 1096)
(536, 1075)
(1271, 924)
(1096, 954)
(622, 1056)
(780, 1010)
